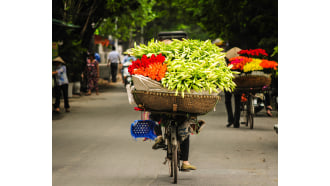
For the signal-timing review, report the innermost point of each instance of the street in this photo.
(92, 146)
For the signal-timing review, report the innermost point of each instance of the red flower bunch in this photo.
(145, 62)
(253, 52)
(152, 67)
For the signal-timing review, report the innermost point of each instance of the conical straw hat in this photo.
(58, 59)
(232, 52)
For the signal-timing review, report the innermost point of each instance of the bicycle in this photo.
(176, 127)
(248, 110)
(248, 106)
(178, 118)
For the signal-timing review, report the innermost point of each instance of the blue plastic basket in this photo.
(143, 129)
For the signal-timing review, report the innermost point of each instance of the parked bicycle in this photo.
(248, 105)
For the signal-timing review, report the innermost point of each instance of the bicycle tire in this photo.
(169, 149)
(246, 114)
(175, 163)
(174, 154)
(250, 112)
(169, 152)
(251, 121)
(246, 119)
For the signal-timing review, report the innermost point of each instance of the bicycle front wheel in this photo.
(250, 112)
(174, 160)
(175, 163)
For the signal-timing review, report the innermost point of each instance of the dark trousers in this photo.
(267, 99)
(233, 118)
(114, 69)
(64, 89)
(184, 146)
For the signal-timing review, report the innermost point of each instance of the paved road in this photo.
(92, 146)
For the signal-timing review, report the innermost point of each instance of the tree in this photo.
(128, 24)
(172, 15)
(244, 23)
(88, 15)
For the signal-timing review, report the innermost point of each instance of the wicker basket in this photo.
(252, 81)
(168, 102)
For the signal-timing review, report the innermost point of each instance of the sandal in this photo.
(268, 111)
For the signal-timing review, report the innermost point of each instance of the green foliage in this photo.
(89, 15)
(129, 22)
(244, 23)
(171, 15)
(275, 51)
(72, 53)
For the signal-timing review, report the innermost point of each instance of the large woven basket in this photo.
(252, 81)
(168, 102)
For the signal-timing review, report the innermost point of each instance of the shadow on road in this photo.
(57, 116)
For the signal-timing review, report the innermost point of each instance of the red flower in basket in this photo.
(152, 67)
(253, 52)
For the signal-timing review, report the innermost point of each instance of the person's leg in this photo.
(159, 142)
(229, 108)
(267, 104)
(237, 97)
(65, 89)
(114, 69)
(89, 85)
(96, 85)
(57, 98)
(184, 146)
(184, 155)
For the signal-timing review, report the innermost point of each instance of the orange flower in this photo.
(155, 71)
(266, 64)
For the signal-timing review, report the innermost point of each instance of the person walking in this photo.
(93, 74)
(113, 61)
(61, 84)
(233, 118)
